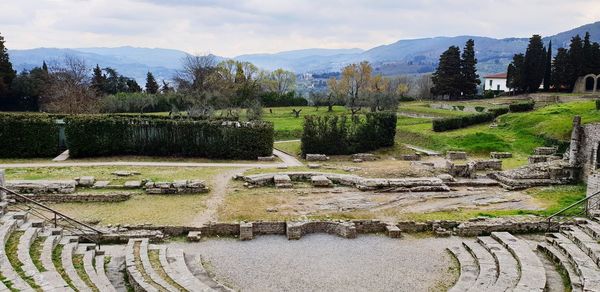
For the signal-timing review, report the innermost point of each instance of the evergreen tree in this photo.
(45, 67)
(447, 77)
(515, 78)
(534, 63)
(560, 70)
(576, 60)
(7, 74)
(98, 80)
(151, 84)
(595, 61)
(548, 68)
(470, 79)
(133, 86)
(587, 55)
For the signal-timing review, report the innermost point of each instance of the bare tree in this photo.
(195, 73)
(423, 87)
(69, 90)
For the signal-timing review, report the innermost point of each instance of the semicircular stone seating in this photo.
(36, 258)
(503, 262)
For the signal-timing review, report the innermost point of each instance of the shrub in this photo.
(28, 135)
(597, 104)
(498, 111)
(447, 124)
(119, 135)
(521, 106)
(338, 135)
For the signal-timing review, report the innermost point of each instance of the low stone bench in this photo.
(320, 181)
(393, 231)
(316, 157)
(541, 158)
(282, 181)
(500, 155)
(67, 262)
(85, 181)
(364, 156)
(456, 155)
(486, 263)
(533, 273)
(468, 269)
(507, 265)
(491, 164)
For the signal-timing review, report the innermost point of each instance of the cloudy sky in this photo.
(234, 27)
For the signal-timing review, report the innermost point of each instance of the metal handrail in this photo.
(71, 221)
(573, 205)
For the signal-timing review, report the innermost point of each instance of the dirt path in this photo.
(287, 159)
(217, 196)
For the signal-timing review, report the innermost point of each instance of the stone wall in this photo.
(78, 198)
(42, 186)
(593, 186)
(176, 187)
(588, 157)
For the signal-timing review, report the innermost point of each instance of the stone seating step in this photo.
(507, 266)
(468, 269)
(28, 267)
(587, 269)
(6, 269)
(137, 276)
(194, 264)
(592, 228)
(149, 269)
(586, 243)
(67, 262)
(173, 261)
(104, 283)
(533, 273)
(487, 266)
(563, 262)
(46, 258)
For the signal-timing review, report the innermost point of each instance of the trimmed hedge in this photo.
(117, 135)
(521, 107)
(498, 111)
(28, 135)
(447, 124)
(339, 135)
(597, 104)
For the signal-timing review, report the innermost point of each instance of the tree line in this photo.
(456, 74)
(539, 67)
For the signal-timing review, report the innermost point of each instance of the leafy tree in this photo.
(470, 78)
(548, 68)
(535, 57)
(151, 84)
(7, 74)
(560, 70)
(448, 76)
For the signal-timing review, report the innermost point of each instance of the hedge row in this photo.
(521, 107)
(447, 124)
(104, 136)
(339, 135)
(28, 135)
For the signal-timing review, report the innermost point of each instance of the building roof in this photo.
(497, 75)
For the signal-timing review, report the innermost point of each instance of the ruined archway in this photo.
(590, 83)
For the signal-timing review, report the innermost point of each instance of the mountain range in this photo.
(413, 56)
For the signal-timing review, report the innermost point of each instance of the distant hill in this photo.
(412, 56)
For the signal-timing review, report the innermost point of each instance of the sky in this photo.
(230, 28)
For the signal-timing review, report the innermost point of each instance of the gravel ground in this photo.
(322, 262)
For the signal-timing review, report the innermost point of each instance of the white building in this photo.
(495, 82)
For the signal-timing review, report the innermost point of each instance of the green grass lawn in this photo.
(287, 126)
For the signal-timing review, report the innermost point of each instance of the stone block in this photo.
(545, 151)
(316, 157)
(246, 231)
(446, 177)
(393, 231)
(541, 158)
(85, 181)
(314, 166)
(364, 156)
(125, 173)
(500, 155)
(132, 184)
(266, 158)
(282, 181)
(357, 160)
(194, 236)
(320, 181)
(456, 155)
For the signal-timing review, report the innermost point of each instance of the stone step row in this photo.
(499, 262)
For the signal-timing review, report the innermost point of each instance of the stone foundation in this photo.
(500, 155)
(410, 157)
(456, 155)
(177, 187)
(42, 186)
(364, 156)
(295, 230)
(541, 158)
(78, 198)
(545, 151)
(316, 157)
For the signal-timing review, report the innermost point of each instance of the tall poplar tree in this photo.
(151, 84)
(548, 68)
(7, 73)
(560, 70)
(535, 57)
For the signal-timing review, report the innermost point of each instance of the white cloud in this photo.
(229, 27)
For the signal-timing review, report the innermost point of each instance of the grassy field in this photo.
(287, 126)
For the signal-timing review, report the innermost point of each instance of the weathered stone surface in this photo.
(532, 175)
(101, 184)
(42, 186)
(393, 231)
(545, 151)
(500, 155)
(541, 158)
(316, 157)
(194, 236)
(282, 181)
(456, 155)
(266, 158)
(85, 181)
(246, 231)
(295, 230)
(410, 157)
(446, 177)
(364, 156)
(461, 169)
(176, 187)
(132, 184)
(320, 181)
(491, 164)
(125, 173)
(314, 166)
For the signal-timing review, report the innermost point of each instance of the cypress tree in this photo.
(548, 68)
(534, 63)
(560, 70)
(595, 62)
(515, 78)
(576, 60)
(7, 74)
(470, 79)
(151, 84)
(447, 78)
(587, 55)
(45, 67)
(98, 80)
